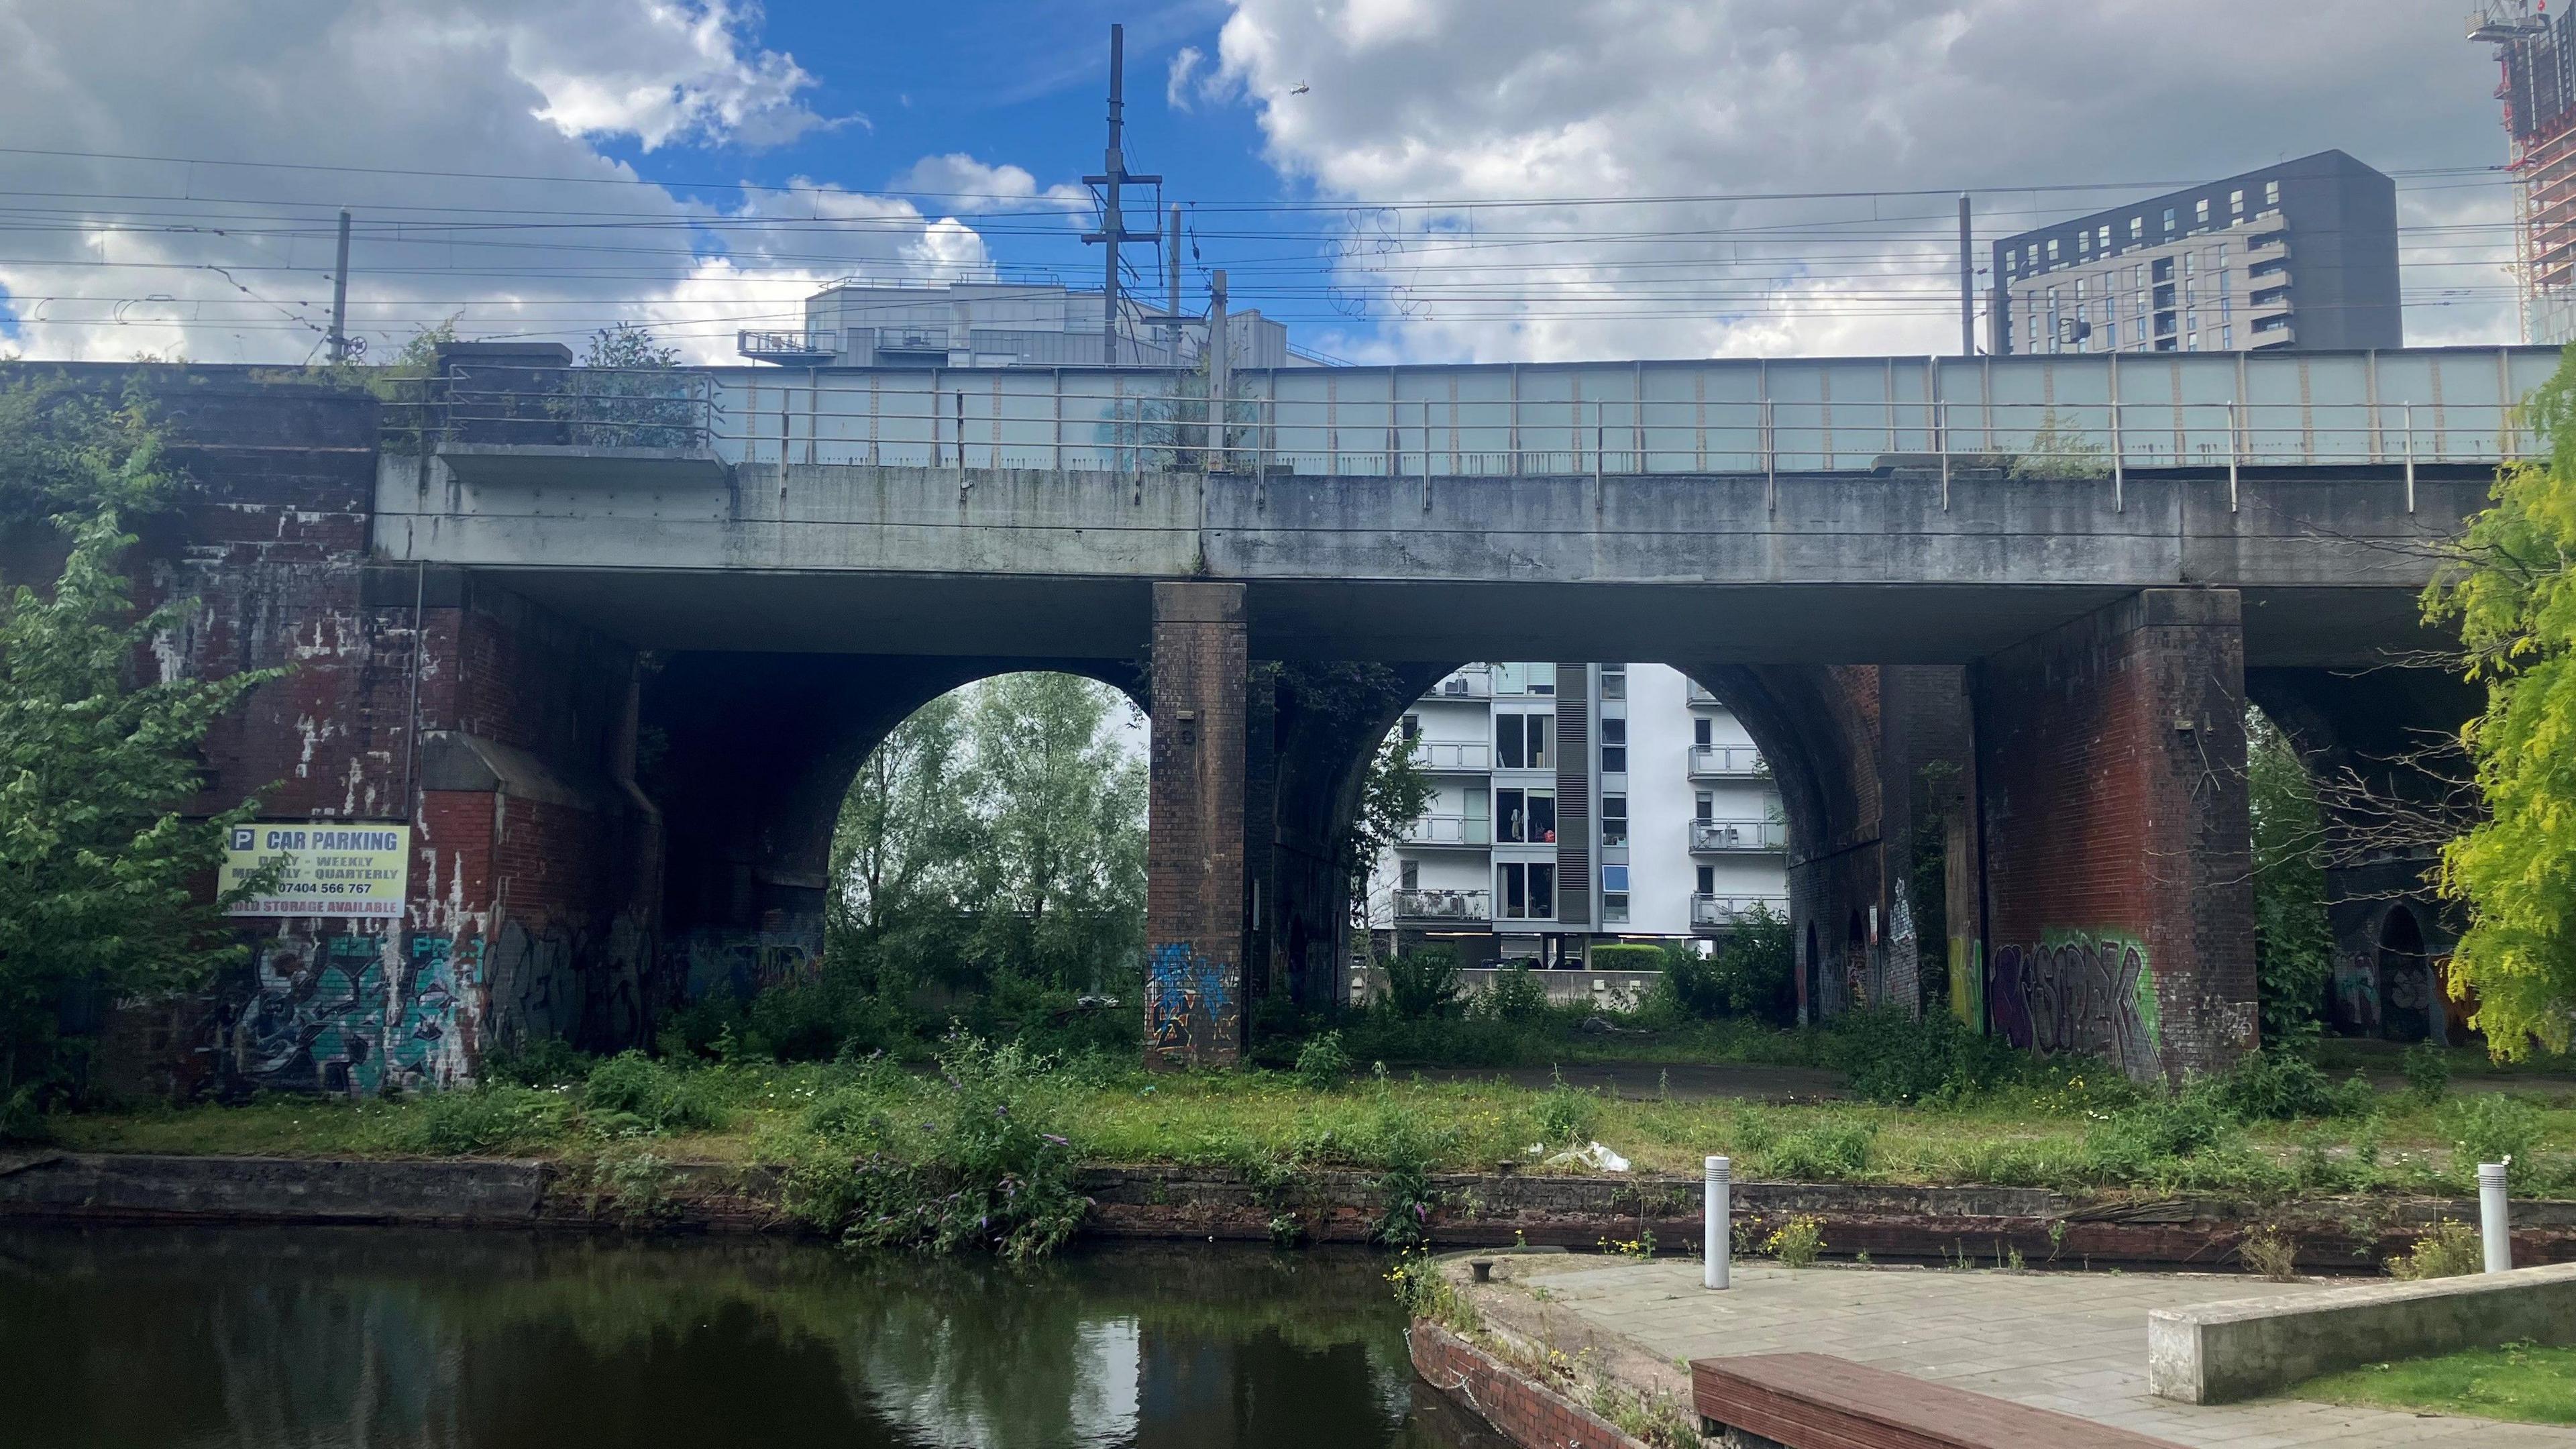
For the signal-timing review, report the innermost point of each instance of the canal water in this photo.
(322, 1338)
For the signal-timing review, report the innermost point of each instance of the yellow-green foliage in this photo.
(2510, 592)
(2450, 1250)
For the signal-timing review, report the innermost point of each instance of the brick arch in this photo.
(760, 753)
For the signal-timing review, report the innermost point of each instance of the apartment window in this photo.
(1614, 877)
(2236, 203)
(1412, 727)
(2271, 193)
(1529, 890)
(1708, 880)
(2052, 251)
(2200, 212)
(2111, 335)
(2190, 264)
(1704, 805)
(2227, 338)
(2169, 221)
(2106, 236)
(2084, 243)
(1524, 741)
(1525, 817)
(2079, 294)
(2137, 228)
(1614, 747)
(1614, 681)
(2031, 257)
(1701, 733)
(2163, 270)
(1614, 820)
(1408, 875)
(1614, 909)
(1524, 679)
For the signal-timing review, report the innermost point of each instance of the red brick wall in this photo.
(2111, 770)
(1194, 866)
(1524, 1412)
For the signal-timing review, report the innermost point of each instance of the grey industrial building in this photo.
(2299, 256)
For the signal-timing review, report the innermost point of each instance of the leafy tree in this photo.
(2293, 945)
(900, 846)
(1058, 883)
(66, 448)
(98, 866)
(2509, 589)
(629, 393)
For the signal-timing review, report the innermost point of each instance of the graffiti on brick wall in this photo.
(352, 1015)
(743, 964)
(1191, 1010)
(2092, 994)
(585, 987)
(2356, 993)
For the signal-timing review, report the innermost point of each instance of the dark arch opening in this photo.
(2408, 1003)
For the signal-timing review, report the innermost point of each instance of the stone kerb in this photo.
(2219, 1353)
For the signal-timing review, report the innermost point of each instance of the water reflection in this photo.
(323, 1338)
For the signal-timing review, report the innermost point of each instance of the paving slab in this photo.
(2073, 1342)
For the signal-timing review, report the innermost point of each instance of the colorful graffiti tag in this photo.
(346, 1014)
(1190, 1014)
(2078, 994)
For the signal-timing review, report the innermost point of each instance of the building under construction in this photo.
(2537, 54)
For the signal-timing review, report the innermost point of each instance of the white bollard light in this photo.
(1717, 1239)
(2493, 1223)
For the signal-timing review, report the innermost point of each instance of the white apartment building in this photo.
(1579, 803)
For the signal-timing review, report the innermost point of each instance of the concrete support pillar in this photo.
(1194, 858)
(2111, 781)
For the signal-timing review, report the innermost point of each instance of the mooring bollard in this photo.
(1717, 1243)
(2493, 1223)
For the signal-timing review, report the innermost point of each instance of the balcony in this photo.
(1695, 692)
(1732, 837)
(1728, 762)
(1715, 913)
(800, 349)
(1455, 907)
(1475, 681)
(1450, 757)
(1461, 831)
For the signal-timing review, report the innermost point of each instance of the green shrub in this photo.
(1423, 981)
(1321, 1062)
(1798, 1242)
(630, 1094)
(2280, 1086)
(2450, 1249)
(535, 1061)
(1692, 987)
(1565, 1115)
(1517, 995)
(481, 1119)
(1627, 956)
(2491, 1127)
(1826, 1152)
(2144, 1142)
(1893, 1057)
(967, 1162)
(2428, 1071)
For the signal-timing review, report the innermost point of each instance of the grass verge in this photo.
(2521, 1382)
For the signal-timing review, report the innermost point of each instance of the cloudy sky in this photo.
(1397, 179)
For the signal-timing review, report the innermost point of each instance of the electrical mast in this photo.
(1115, 178)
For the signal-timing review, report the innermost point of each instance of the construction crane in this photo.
(2536, 58)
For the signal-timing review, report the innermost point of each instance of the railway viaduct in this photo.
(614, 647)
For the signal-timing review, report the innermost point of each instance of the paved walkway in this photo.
(2073, 1342)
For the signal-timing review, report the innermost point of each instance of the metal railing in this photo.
(1473, 681)
(1448, 830)
(2081, 417)
(1422, 905)
(1713, 836)
(1452, 756)
(1728, 762)
(1716, 912)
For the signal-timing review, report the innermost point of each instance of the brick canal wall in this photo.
(1891, 1224)
(1528, 1413)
